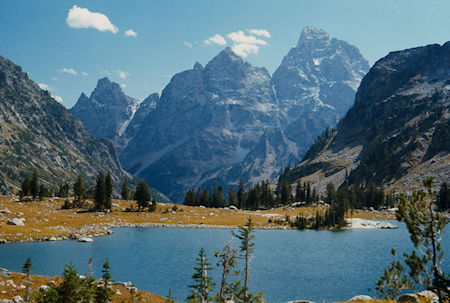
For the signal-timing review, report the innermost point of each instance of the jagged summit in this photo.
(313, 37)
(37, 132)
(107, 112)
(198, 66)
(397, 132)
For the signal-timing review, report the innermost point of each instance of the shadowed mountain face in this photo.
(397, 132)
(107, 112)
(229, 120)
(36, 132)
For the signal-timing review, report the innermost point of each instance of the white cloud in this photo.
(122, 74)
(188, 44)
(55, 79)
(260, 32)
(44, 86)
(79, 17)
(245, 44)
(123, 85)
(57, 98)
(130, 33)
(84, 74)
(244, 49)
(241, 37)
(68, 71)
(216, 39)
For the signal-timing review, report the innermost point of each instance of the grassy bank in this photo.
(45, 219)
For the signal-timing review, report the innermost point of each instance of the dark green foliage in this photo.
(69, 289)
(232, 198)
(26, 269)
(189, 198)
(425, 228)
(142, 195)
(25, 187)
(227, 261)
(393, 281)
(108, 191)
(103, 292)
(170, 297)
(34, 185)
(63, 190)
(100, 193)
(74, 289)
(242, 196)
(79, 190)
(217, 197)
(246, 236)
(125, 190)
(203, 284)
(43, 192)
(443, 198)
(285, 192)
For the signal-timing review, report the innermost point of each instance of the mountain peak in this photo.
(312, 35)
(198, 66)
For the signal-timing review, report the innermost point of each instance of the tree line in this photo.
(101, 193)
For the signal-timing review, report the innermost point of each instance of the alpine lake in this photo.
(287, 264)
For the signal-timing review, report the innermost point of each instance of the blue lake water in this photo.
(287, 264)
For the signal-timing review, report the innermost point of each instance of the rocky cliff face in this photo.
(316, 84)
(36, 132)
(230, 120)
(107, 112)
(397, 132)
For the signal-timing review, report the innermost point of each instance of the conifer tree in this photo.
(34, 185)
(104, 293)
(285, 194)
(203, 284)
(242, 196)
(142, 195)
(100, 192)
(43, 192)
(245, 235)
(125, 190)
(26, 269)
(25, 187)
(443, 198)
(232, 198)
(109, 191)
(69, 289)
(79, 189)
(226, 260)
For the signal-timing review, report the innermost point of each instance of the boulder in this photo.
(5, 211)
(43, 288)
(232, 207)
(16, 221)
(85, 239)
(428, 295)
(360, 298)
(18, 299)
(5, 273)
(408, 298)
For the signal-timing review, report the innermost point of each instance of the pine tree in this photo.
(189, 198)
(125, 189)
(100, 193)
(34, 185)
(142, 195)
(104, 293)
(43, 192)
(79, 190)
(232, 198)
(226, 260)
(26, 269)
(425, 228)
(245, 235)
(69, 289)
(443, 198)
(109, 191)
(298, 191)
(285, 194)
(25, 188)
(203, 284)
(242, 196)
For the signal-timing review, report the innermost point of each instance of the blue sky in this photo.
(140, 44)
